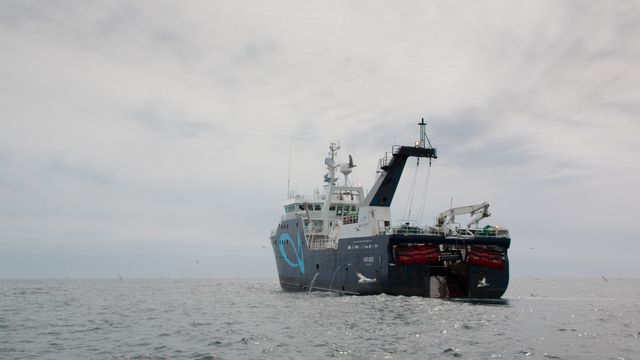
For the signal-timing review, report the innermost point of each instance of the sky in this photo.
(156, 138)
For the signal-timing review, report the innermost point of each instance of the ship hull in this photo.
(369, 265)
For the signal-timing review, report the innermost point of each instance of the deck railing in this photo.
(322, 243)
(430, 230)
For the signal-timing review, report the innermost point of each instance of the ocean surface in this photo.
(242, 319)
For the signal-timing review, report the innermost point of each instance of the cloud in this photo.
(157, 122)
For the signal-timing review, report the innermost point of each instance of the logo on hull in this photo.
(297, 251)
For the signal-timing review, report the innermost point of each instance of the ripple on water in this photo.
(452, 352)
(549, 356)
(239, 319)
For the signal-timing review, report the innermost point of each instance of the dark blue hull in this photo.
(367, 265)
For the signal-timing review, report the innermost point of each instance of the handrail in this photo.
(430, 230)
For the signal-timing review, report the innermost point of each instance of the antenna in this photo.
(289, 174)
(330, 161)
(346, 169)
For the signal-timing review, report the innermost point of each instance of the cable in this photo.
(412, 191)
(424, 194)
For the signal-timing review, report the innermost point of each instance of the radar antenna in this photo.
(346, 169)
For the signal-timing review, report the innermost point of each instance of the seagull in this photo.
(483, 282)
(364, 280)
(604, 278)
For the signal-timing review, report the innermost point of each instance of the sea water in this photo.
(241, 319)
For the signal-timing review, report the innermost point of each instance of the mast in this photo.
(424, 140)
(423, 134)
(330, 161)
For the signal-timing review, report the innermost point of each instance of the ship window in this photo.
(317, 207)
(317, 266)
(332, 208)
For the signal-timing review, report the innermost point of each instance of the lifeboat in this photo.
(416, 254)
(482, 256)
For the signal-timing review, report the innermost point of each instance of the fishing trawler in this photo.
(342, 239)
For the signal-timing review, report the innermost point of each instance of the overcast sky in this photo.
(152, 138)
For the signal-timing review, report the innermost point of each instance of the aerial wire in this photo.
(289, 174)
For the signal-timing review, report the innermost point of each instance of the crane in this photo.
(446, 219)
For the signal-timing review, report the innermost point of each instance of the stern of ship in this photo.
(443, 267)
